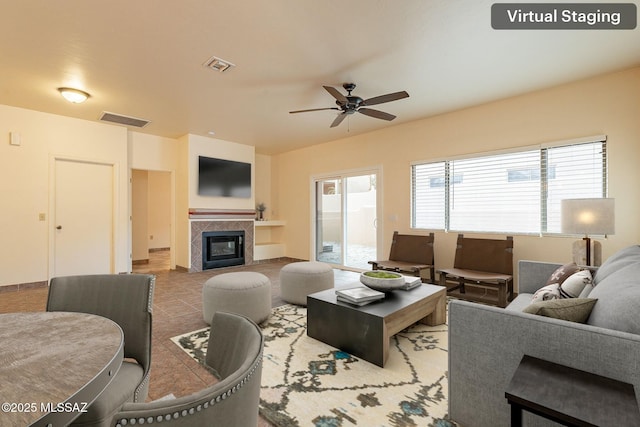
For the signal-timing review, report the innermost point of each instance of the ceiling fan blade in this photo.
(313, 109)
(338, 120)
(385, 98)
(336, 94)
(376, 113)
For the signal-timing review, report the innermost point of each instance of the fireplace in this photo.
(222, 249)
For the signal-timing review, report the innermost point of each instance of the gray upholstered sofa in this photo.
(487, 343)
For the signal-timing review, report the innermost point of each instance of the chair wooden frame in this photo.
(481, 263)
(409, 254)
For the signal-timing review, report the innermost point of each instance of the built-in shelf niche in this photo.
(269, 240)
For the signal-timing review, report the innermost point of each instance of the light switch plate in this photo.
(14, 138)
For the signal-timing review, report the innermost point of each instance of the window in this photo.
(518, 192)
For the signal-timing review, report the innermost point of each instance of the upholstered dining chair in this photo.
(234, 352)
(126, 299)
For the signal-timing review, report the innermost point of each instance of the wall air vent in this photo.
(124, 120)
(218, 64)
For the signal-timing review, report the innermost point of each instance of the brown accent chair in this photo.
(409, 254)
(484, 263)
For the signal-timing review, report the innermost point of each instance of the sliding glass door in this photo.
(346, 219)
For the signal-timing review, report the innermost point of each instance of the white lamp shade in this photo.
(588, 216)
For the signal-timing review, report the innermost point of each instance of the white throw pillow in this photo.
(546, 293)
(573, 286)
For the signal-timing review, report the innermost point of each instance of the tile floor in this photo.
(177, 309)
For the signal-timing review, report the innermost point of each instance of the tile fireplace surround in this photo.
(210, 221)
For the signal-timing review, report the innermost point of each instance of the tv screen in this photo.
(223, 178)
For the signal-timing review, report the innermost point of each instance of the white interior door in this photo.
(83, 218)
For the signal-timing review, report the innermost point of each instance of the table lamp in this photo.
(588, 217)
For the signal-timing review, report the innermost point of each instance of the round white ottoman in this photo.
(244, 292)
(299, 279)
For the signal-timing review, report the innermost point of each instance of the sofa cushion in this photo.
(618, 261)
(519, 302)
(618, 303)
(547, 292)
(575, 284)
(617, 288)
(571, 309)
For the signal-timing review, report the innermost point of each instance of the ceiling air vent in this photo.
(218, 64)
(124, 120)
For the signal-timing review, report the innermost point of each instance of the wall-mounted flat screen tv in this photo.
(223, 178)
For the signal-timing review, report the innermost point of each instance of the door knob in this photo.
(59, 227)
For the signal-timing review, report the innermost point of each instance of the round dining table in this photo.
(53, 365)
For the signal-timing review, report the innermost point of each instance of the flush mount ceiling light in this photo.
(75, 96)
(218, 64)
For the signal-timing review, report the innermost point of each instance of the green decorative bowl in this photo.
(383, 281)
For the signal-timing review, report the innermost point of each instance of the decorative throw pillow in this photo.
(562, 273)
(573, 286)
(572, 309)
(548, 292)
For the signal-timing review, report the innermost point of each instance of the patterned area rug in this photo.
(308, 383)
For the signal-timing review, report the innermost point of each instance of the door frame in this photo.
(52, 205)
(172, 212)
(341, 174)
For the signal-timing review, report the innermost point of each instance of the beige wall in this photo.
(160, 209)
(263, 191)
(151, 212)
(161, 156)
(139, 214)
(607, 105)
(25, 186)
(180, 157)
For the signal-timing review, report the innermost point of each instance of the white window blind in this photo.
(574, 171)
(518, 192)
(429, 191)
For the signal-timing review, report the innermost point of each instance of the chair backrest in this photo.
(412, 248)
(127, 299)
(489, 255)
(235, 352)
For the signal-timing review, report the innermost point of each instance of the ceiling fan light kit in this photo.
(349, 104)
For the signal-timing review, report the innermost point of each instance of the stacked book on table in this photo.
(358, 296)
(411, 282)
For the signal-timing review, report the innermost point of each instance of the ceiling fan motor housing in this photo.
(353, 103)
(350, 104)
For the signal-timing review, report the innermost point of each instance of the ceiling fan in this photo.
(350, 104)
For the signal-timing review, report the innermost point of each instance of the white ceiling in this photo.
(144, 58)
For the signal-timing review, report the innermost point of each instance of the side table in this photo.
(570, 396)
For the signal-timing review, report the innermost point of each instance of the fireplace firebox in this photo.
(222, 249)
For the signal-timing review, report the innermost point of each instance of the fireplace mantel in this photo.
(226, 214)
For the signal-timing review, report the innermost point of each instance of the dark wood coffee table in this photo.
(365, 331)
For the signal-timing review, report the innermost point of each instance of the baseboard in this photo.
(23, 286)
